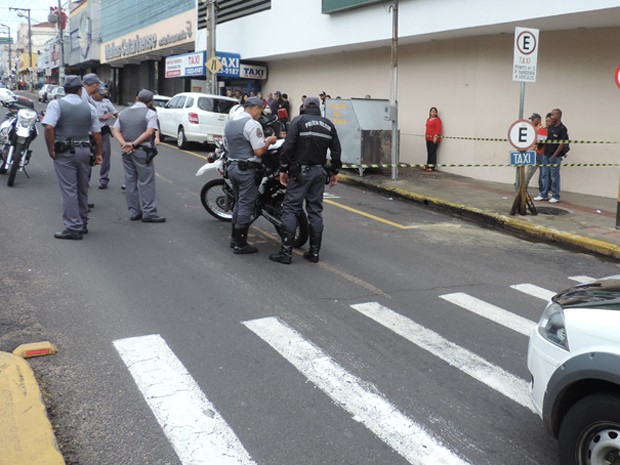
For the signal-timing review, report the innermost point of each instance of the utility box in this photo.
(364, 128)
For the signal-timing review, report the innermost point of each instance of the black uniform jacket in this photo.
(307, 140)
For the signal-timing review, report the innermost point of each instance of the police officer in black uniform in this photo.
(303, 171)
(246, 144)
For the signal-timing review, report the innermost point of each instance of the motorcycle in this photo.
(217, 194)
(17, 132)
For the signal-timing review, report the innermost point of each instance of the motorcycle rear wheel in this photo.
(17, 157)
(217, 199)
(302, 232)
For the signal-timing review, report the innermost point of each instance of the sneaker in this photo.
(553, 200)
(538, 198)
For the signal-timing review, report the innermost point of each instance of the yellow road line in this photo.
(368, 215)
(185, 151)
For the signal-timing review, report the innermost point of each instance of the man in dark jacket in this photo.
(302, 170)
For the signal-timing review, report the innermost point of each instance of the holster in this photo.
(151, 152)
(105, 130)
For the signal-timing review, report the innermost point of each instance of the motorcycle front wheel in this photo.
(17, 157)
(218, 199)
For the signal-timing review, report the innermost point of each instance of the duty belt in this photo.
(76, 143)
(246, 164)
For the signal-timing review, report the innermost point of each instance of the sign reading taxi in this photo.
(522, 134)
(188, 64)
(525, 55)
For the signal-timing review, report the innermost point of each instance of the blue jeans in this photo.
(551, 177)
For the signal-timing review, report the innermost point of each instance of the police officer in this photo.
(68, 122)
(135, 129)
(302, 170)
(91, 85)
(246, 144)
(105, 112)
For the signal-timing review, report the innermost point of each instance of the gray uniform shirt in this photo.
(151, 117)
(52, 114)
(252, 131)
(103, 107)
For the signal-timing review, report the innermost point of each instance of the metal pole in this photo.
(9, 31)
(61, 68)
(394, 92)
(211, 50)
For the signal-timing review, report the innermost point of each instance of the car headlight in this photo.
(552, 326)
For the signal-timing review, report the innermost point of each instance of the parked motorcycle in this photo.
(217, 194)
(17, 132)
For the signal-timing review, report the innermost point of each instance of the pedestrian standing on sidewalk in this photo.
(433, 137)
(68, 122)
(105, 112)
(539, 146)
(303, 157)
(557, 138)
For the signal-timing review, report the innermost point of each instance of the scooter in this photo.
(17, 132)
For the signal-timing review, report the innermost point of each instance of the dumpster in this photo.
(364, 130)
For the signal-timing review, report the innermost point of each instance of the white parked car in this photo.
(56, 93)
(160, 100)
(195, 117)
(7, 95)
(574, 359)
(45, 91)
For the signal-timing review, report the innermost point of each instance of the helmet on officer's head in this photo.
(267, 111)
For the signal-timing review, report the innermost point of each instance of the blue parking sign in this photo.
(522, 158)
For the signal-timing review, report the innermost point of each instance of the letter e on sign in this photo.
(525, 55)
(522, 134)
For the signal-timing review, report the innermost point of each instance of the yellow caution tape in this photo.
(495, 139)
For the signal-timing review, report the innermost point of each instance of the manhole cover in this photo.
(552, 211)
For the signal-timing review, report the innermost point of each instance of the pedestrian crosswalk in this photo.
(203, 436)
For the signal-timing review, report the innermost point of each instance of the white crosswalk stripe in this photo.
(514, 388)
(582, 279)
(491, 312)
(360, 399)
(198, 433)
(534, 291)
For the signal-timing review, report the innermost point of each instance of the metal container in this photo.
(364, 129)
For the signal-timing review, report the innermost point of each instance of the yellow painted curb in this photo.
(508, 222)
(26, 435)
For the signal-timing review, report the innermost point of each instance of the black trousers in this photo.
(431, 154)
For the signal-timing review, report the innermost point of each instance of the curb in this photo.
(26, 434)
(508, 223)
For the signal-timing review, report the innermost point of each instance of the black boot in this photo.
(233, 241)
(315, 246)
(285, 254)
(241, 241)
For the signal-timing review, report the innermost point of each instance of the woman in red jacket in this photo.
(433, 137)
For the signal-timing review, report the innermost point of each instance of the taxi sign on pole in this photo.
(214, 65)
(523, 158)
(522, 134)
(525, 55)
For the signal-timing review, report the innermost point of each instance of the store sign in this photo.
(231, 64)
(54, 57)
(253, 71)
(333, 6)
(189, 64)
(173, 31)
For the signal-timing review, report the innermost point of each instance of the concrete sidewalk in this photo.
(584, 222)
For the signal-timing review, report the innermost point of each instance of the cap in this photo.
(145, 95)
(253, 102)
(312, 100)
(91, 78)
(534, 116)
(103, 90)
(72, 81)
(322, 93)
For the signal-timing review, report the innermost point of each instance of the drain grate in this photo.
(553, 211)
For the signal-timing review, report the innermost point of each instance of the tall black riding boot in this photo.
(241, 242)
(233, 241)
(315, 246)
(285, 254)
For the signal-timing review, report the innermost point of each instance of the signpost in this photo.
(522, 133)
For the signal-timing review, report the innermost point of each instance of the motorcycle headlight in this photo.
(26, 118)
(552, 326)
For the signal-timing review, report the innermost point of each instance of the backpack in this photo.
(566, 147)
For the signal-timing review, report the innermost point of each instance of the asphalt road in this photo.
(170, 345)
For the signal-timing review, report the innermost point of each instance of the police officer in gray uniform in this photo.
(68, 122)
(303, 157)
(105, 112)
(246, 144)
(135, 131)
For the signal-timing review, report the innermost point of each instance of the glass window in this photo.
(172, 103)
(215, 105)
(189, 102)
(181, 102)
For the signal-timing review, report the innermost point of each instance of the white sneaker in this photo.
(553, 200)
(538, 198)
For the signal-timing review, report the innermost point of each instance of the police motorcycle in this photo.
(17, 131)
(217, 194)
